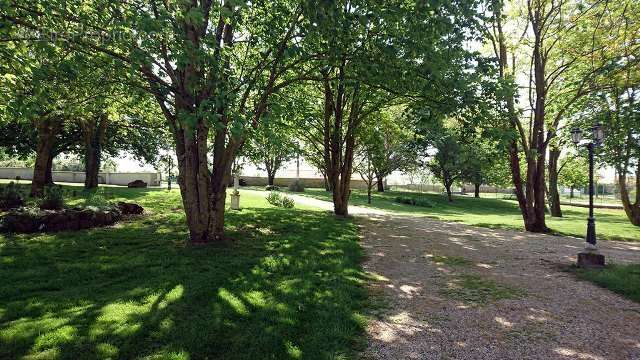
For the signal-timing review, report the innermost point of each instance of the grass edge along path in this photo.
(621, 279)
(492, 213)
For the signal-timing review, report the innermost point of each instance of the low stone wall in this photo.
(152, 179)
(308, 182)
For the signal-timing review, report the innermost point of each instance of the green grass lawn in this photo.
(495, 213)
(622, 279)
(290, 286)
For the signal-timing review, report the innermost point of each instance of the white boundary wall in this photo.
(152, 179)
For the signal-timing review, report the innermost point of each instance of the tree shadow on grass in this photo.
(290, 286)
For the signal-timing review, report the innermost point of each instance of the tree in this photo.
(211, 66)
(562, 64)
(480, 163)
(380, 53)
(440, 142)
(44, 97)
(614, 98)
(388, 136)
(71, 105)
(366, 170)
(573, 173)
(273, 144)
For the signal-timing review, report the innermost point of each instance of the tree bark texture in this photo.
(93, 131)
(47, 130)
(380, 183)
(530, 191)
(554, 194)
(340, 137)
(632, 209)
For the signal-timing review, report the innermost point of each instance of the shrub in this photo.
(274, 198)
(272, 188)
(287, 202)
(96, 200)
(278, 200)
(52, 198)
(413, 201)
(10, 196)
(297, 186)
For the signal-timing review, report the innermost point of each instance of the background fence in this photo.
(108, 178)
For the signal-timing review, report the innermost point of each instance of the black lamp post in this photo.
(590, 257)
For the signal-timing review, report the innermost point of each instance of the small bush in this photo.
(274, 198)
(52, 198)
(96, 200)
(11, 196)
(278, 200)
(413, 201)
(297, 186)
(272, 188)
(287, 202)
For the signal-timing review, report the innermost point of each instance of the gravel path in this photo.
(518, 302)
(524, 305)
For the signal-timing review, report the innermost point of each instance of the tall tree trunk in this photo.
(271, 171)
(380, 183)
(537, 158)
(369, 188)
(339, 149)
(531, 198)
(47, 129)
(447, 187)
(92, 168)
(327, 184)
(49, 171)
(93, 131)
(203, 192)
(554, 195)
(476, 190)
(631, 209)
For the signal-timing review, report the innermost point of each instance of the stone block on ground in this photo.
(130, 208)
(590, 260)
(137, 184)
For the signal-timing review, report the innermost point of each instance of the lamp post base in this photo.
(590, 260)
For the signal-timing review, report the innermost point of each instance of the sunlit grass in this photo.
(495, 213)
(288, 286)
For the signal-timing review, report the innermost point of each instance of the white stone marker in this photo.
(235, 196)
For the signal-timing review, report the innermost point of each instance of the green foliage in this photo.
(52, 198)
(11, 193)
(97, 200)
(287, 202)
(272, 188)
(297, 186)
(574, 172)
(276, 199)
(386, 141)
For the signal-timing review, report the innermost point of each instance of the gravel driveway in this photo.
(459, 292)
